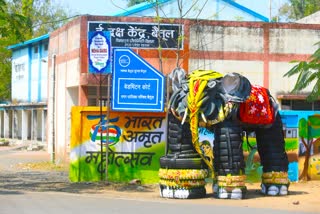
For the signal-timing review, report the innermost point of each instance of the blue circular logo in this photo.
(124, 61)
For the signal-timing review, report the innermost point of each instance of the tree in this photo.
(309, 134)
(134, 2)
(309, 73)
(297, 9)
(12, 30)
(44, 16)
(21, 20)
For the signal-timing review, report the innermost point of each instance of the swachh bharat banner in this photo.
(136, 142)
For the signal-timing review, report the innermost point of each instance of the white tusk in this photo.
(203, 117)
(184, 116)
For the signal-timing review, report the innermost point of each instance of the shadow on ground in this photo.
(44, 181)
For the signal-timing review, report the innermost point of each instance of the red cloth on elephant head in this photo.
(257, 109)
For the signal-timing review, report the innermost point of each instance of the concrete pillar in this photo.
(14, 124)
(6, 124)
(24, 125)
(34, 125)
(43, 125)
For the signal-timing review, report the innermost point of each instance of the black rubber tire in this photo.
(184, 140)
(198, 192)
(183, 155)
(182, 163)
(179, 136)
(185, 152)
(271, 147)
(228, 153)
(180, 147)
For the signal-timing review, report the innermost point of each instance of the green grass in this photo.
(290, 144)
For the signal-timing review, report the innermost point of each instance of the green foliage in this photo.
(21, 20)
(308, 73)
(313, 125)
(43, 15)
(297, 9)
(252, 143)
(249, 161)
(11, 31)
(291, 144)
(303, 128)
(253, 169)
(134, 2)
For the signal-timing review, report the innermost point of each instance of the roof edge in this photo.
(247, 10)
(28, 42)
(139, 7)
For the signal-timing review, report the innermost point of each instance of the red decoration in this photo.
(257, 109)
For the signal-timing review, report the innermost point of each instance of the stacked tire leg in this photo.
(229, 161)
(271, 148)
(182, 171)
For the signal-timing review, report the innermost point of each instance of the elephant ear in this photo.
(235, 88)
(179, 88)
(211, 98)
(177, 77)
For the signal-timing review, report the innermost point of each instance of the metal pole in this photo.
(100, 124)
(270, 9)
(167, 108)
(108, 121)
(53, 158)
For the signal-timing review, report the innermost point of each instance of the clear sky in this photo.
(105, 7)
(93, 7)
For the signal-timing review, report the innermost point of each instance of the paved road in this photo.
(59, 203)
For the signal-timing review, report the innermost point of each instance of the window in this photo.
(93, 95)
(19, 71)
(35, 49)
(301, 105)
(45, 47)
(287, 104)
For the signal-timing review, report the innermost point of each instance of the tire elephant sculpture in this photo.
(231, 107)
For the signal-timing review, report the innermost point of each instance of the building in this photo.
(24, 119)
(311, 19)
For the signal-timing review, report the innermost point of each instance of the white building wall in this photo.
(43, 79)
(297, 41)
(20, 75)
(72, 74)
(65, 89)
(253, 70)
(224, 38)
(280, 84)
(258, 52)
(61, 111)
(35, 81)
(29, 74)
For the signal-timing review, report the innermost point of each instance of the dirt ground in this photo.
(25, 171)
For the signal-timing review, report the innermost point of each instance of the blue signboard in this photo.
(99, 52)
(137, 86)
